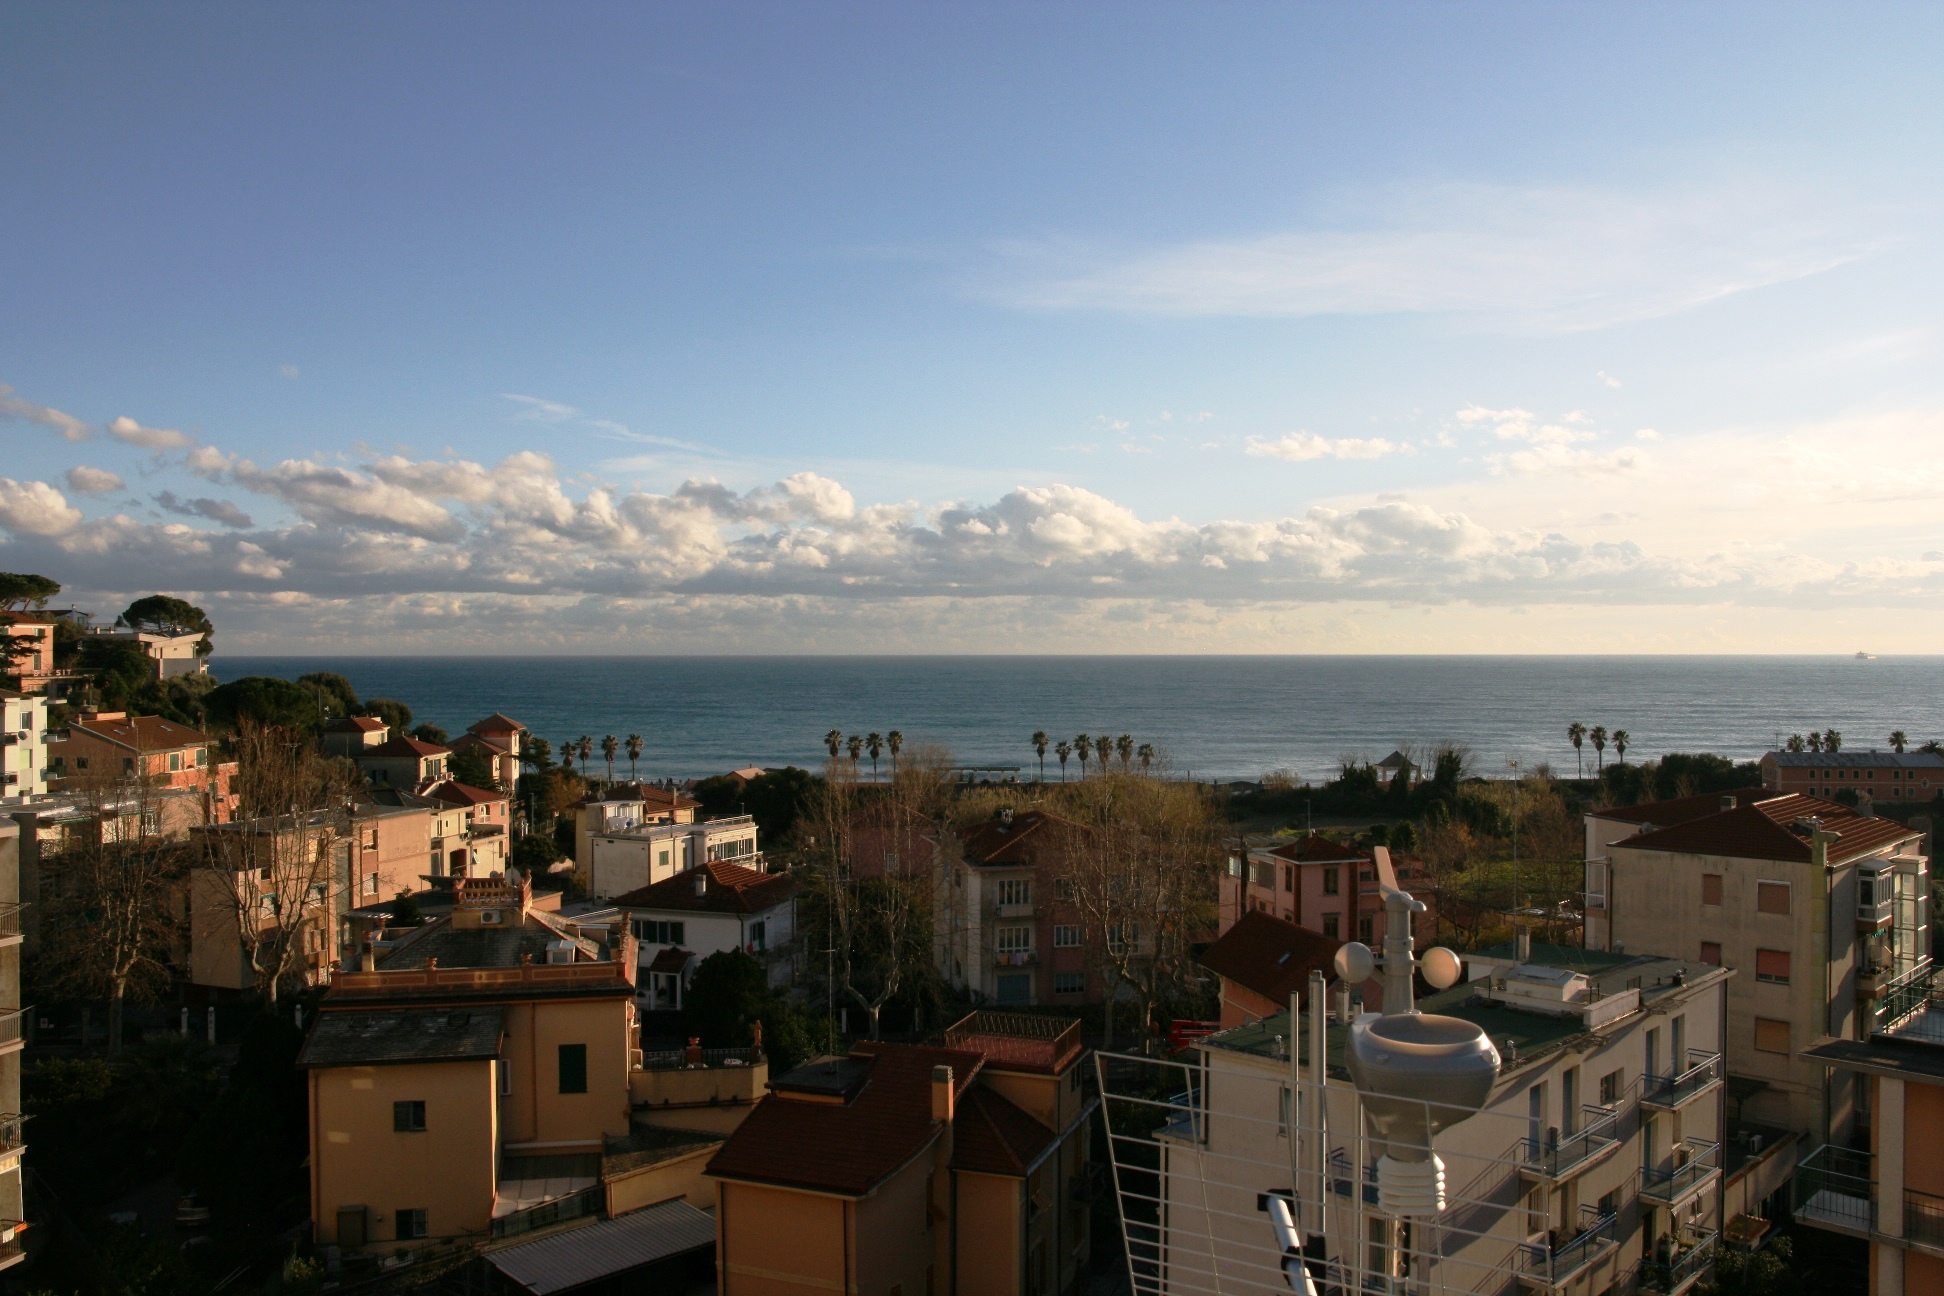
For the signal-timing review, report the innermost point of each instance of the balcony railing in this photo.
(1672, 1275)
(1902, 998)
(1669, 1185)
(1924, 1218)
(589, 1201)
(679, 1059)
(13, 1131)
(1554, 1159)
(10, 919)
(11, 1022)
(1015, 958)
(1677, 1090)
(1833, 1189)
(1557, 1265)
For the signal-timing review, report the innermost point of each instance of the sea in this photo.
(1220, 718)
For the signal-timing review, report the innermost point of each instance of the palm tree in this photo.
(834, 740)
(1103, 750)
(585, 746)
(1039, 745)
(894, 740)
(610, 748)
(855, 746)
(1899, 740)
(1832, 740)
(1083, 745)
(1620, 740)
(1795, 743)
(634, 754)
(1124, 748)
(567, 754)
(1599, 736)
(1814, 740)
(1062, 750)
(874, 743)
(1146, 753)
(1577, 733)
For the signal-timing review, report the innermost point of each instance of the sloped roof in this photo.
(1680, 810)
(566, 1261)
(400, 748)
(457, 793)
(1320, 850)
(731, 888)
(1858, 760)
(497, 722)
(469, 741)
(376, 1037)
(143, 733)
(671, 960)
(1269, 956)
(993, 1136)
(1767, 830)
(354, 724)
(1029, 837)
(846, 1147)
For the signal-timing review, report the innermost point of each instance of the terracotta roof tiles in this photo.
(731, 888)
(1768, 829)
(1027, 838)
(1272, 957)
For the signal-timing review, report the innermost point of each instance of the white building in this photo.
(719, 906)
(1595, 1164)
(637, 857)
(23, 746)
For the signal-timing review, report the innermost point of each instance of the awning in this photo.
(568, 1260)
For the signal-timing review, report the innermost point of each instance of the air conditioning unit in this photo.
(490, 918)
(560, 952)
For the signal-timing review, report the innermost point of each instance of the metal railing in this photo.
(11, 1021)
(1923, 1217)
(13, 1131)
(1669, 1184)
(1671, 1275)
(10, 919)
(679, 1059)
(588, 1201)
(1015, 958)
(1902, 998)
(1703, 1069)
(1184, 1117)
(1554, 1158)
(1556, 1264)
(1833, 1188)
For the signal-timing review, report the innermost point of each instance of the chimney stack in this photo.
(942, 1093)
(1522, 945)
(367, 961)
(702, 881)
(1728, 803)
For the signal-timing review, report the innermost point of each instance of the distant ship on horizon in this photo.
(1863, 656)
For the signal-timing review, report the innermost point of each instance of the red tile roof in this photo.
(144, 733)
(458, 793)
(1032, 835)
(1320, 850)
(731, 888)
(1769, 830)
(357, 724)
(496, 723)
(1680, 810)
(992, 1136)
(1269, 956)
(847, 1147)
(401, 747)
(468, 741)
(672, 959)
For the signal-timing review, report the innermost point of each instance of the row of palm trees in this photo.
(1101, 746)
(1599, 737)
(859, 744)
(1831, 740)
(611, 747)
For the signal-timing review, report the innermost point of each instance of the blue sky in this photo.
(1260, 328)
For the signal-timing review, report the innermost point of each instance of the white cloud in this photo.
(535, 410)
(1522, 425)
(33, 508)
(1527, 257)
(1607, 378)
(214, 509)
(70, 427)
(127, 429)
(1301, 446)
(288, 370)
(83, 480)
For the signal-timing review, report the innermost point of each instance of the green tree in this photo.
(1576, 734)
(895, 741)
(166, 614)
(778, 799)
(428, 732)
(855, 746)
(264, 699)
(1832, 740)
(1040, 742)
(874, 743)
(1403, 837)
(610, 748)
(584, 748)
(1620, 740)
(395, 714)
(1124, 748)
(1795, 744)
(339, 698)
(834, 740)
(20, 591)
(1146, 753)
(533, 854)
(405, 910)
(724, 997)
(1083, 747)
(471, 768)
(634, 755)
(1899, 740)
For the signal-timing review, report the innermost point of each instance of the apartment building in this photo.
(405, 763)
(501, 740)
(352, 736)
(1594, 1164)
(621, 809)
(469, 1082)
(717, 906)
(906, 1169)
(13, 1143)
(1322, 884)
(23, 746)
(31, 670)
(1891, 1195)
(171, 655)
(471, 829)
(180, 768)
(1824, 909)
(1872, 775)
(633, 858)
(1005, 931)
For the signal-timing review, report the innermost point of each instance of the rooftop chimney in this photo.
(1522, 945)
(701, 881)
(941, 1093)
(367, 961)
(1728, 803)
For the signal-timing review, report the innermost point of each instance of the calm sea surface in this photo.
(1224, 717)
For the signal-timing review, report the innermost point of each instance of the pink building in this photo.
(1324, 885)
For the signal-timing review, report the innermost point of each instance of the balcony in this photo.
(688, 1059)
(1697, 1164)
(1682, 1269)
(1556, 1159)
(1833, 1190)
(1553, 1267)
(1016, 910)
(588, 1201)
(1015, 958)
(1924, 1218)
(1902, 998)
(10, 923)
(1673, 1092)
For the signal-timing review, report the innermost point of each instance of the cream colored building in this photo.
(629, 860)
(23, 746)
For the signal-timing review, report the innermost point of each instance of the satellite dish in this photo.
(1355, 963)
(1441, 967)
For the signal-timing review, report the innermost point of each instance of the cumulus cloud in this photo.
(1301, 446)
(83, 480)
(70, 427)
(214, 509)
(148, 438)
(33, 508)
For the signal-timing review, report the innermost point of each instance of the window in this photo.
(1065, 887)
(202, 756)
(1330, 884)
(1015, 891)
(1611, 1086)
(1711, 888)
(1366, 929)
(759, 935)
(1235, 866)
(175, 761)
(1015, 940)
(1771, 1036)
(1066, 937)
(651, 931)
(128, 765)
(351, 1224)
(80, 762)
(408, 1117)
(1772, 966)
(1282, 1112)
(1289, 877)
(371, 883)
(661, 859)
(1772, 897)
(410, 1222)
(1332, 926)
(1069, 983)
(1711, 952)
(573, 1068)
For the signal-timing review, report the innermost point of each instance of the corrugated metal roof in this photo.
(584, 1255)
